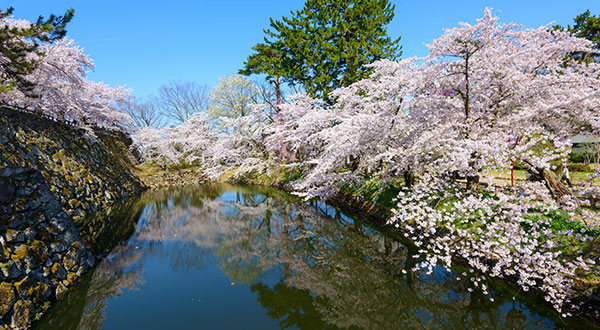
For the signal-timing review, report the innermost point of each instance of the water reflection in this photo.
(307, 265)
(83, 307)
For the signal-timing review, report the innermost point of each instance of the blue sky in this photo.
(146, 44)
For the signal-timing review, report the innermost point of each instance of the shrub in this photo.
(578, 167)
(581, 157)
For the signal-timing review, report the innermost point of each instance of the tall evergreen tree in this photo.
(325, 45)
(586, 26)
(19, 41)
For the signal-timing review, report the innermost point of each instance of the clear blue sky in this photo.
(146, 44)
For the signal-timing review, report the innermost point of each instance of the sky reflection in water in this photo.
(235, 257)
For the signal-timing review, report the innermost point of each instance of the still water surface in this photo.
(238, 257)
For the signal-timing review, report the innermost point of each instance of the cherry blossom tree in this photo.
(486, 95)
(190, 142)
(496, 83)
(61, 90)
(493, 92)
(362, 135)
(242, 146)
(19, 46)
(461, 110)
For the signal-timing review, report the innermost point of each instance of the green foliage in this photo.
(572, 167)
(578, 167)
(561, 221)
(570, 246)
(181, 166)
(588, 27)
(287, 174)
(384, 195)
(267, 59)
(16, 43)
(326, 44)
(581, 157)
(232, 97)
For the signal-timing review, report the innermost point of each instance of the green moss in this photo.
(71, 277)
(19, 284)
(74, 203)
(5, 249)
(148, 169)
(290, 174)
(38, 251)
(228, 175)
(7, 297)
(21, 252)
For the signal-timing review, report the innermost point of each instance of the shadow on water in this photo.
(104, 230)
(222, 256)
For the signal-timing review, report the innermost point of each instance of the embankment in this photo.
(51, 177)
(587, 289)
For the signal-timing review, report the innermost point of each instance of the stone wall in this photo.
(52, 178)
(42, 252)
(84, 174)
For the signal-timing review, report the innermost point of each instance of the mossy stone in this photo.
(58, 271)
(74, 203)
(39, 251)
(20, 252)
(22, 314)
(7, 297)
(38, 292)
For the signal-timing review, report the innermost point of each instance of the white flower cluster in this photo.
(488, 95)
(503, 234)
(61, 89)
(188, 142)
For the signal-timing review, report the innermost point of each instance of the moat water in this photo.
(240, 257)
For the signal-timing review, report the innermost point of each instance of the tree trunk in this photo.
(550, 180)
(277, 93)
(409, 178)
(472, 182)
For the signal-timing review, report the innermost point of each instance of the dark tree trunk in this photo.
(277, 92)
(551, 181)
(472, 182)
(409, 178)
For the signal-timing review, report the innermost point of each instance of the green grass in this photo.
(182, 166)
(373, 190)
(287, 174)
(147, 169)
(576, 177)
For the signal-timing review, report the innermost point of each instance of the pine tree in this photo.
(325, 45)
(18, 43)
(586, 26)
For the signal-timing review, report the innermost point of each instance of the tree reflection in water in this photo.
(332, 272)
(83, 307)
